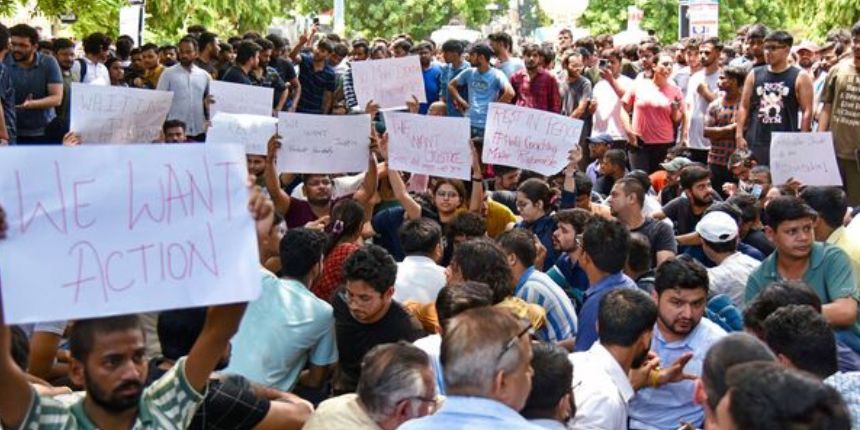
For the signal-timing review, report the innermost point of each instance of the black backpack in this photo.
(83, 65)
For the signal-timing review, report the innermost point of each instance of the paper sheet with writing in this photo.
(253, 131)
(239, 98)
(102, 114)
(431, 145)
(528, 138)
(323, 143)
(389, 82)
(117, 229)
(807, 157)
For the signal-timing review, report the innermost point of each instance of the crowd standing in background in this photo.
(661, 280)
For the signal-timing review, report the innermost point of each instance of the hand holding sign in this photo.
(430, 145)
(387, 81)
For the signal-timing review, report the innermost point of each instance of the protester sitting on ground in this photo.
(344, 237)
(366, 314)
(287, 335)
(452, 301)
(396, 385)
(763, 395)
(486, 357)
(734, 349)
(534, 286)
(419, 278)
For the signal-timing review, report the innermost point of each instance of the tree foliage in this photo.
(419, 18)
(817, 17)
(661, 16)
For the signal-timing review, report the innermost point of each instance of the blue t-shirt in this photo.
(586, 335)
(314, 84)
(484, 88)
(432, 81)
(33, 83)
(7, 97)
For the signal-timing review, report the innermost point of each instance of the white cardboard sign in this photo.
(105, 114)
(323, 143)
(430, 145)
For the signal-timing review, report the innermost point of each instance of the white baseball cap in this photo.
(717, 227)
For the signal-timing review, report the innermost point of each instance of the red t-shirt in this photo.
(652, 110)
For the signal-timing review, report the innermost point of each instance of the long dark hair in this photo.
(347, 218)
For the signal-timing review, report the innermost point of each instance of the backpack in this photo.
(83, 65)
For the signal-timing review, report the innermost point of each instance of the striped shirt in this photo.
(538, 288)
(169, 403)
(720, 114)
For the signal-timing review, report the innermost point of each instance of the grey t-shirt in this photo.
(660, 235)
(572, 94)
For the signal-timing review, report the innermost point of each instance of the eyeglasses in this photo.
(513, 341)
(447, 194)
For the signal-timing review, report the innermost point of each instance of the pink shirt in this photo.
(652, 110)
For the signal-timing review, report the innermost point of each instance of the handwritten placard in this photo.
(323, 143)
(124, 229)
(238, 98)
(389, 82)
(432, 145)
(254, 131)
(807, 157)
(102, 114)
(528, 138)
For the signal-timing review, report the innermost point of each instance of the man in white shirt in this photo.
(607, 94)
(190, 87)
(90, 69)
(601, 386)
(419, 278)
(719, 233)
(701, 91)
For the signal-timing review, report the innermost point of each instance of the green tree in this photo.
(419, 18)
(661, 16)
(816, 18)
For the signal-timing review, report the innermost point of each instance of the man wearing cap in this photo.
(672, 187)
(597, 147)
(807, 55)
(719, 233)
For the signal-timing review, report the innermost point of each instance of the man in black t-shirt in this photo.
(247, 59)
(625, 202)
(366, 314)
(686, 210)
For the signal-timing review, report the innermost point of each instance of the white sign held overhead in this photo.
(807, 157)
(228, 97)
(389, 82)
(323, 143)
(253, 131)
(126, 229)
(529, 139)
(102, 114)
(430, 145)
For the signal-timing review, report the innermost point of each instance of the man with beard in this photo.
(566, 272)
(534, 87)
(807, 55)
(625, 202)
(231, 401)
(686, 210)
(681, 336)
(601, 386)
(64, 52)
(38, 84)
(190, 86)
(825, 268)
(701, 91)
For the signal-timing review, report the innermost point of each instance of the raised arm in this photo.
(279, 197)
(477, 198)
(303, 40)
(412, 208)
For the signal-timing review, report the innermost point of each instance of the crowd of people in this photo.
(661, 280)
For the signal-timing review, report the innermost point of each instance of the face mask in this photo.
(756, 191)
